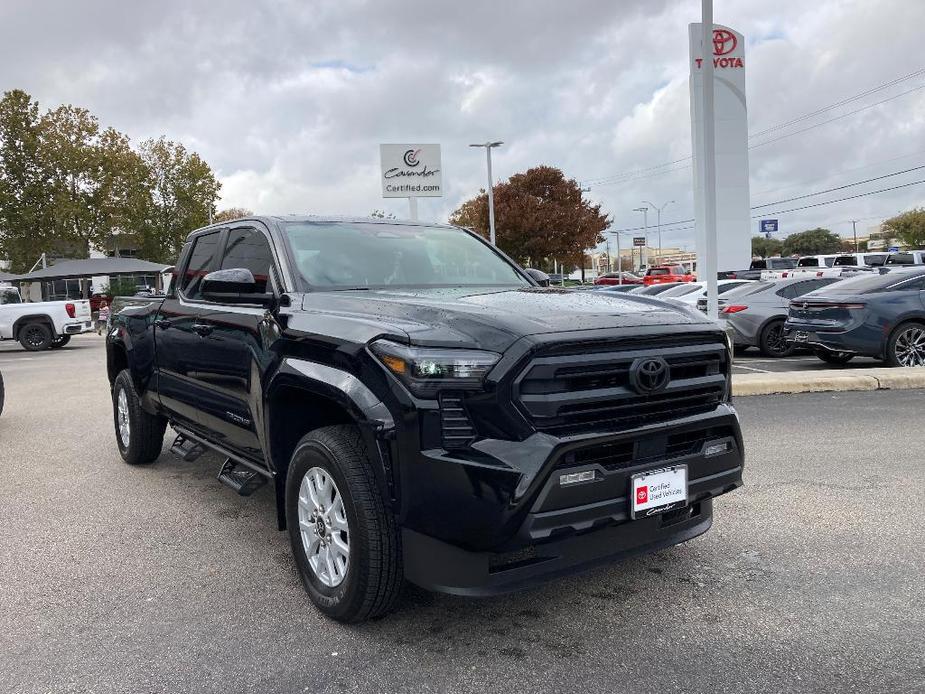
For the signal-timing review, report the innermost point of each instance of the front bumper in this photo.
(497, 519)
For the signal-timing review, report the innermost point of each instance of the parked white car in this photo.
(43, 325)
(689, 292)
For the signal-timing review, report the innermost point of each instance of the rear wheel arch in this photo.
(33, 318)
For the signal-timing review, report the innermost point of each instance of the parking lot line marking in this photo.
(750, 368)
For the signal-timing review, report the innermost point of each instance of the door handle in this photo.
(162, 323)
(202, 329)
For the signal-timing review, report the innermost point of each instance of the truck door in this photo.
(180, 359)
(239, 339)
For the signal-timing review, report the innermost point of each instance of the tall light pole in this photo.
(854, 228)
(491, 196)
(659, 223)
(619, 256)
(645, 225)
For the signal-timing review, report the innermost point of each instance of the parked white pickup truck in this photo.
(44, 325)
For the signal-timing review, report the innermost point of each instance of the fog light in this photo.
(576, 477)
(715, 448)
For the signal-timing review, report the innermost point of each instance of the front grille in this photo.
(568, 389)
(622, 454)
(455, 426)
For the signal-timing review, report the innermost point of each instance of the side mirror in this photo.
(234, 286)
(540, 277)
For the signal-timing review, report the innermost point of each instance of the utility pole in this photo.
(854, 228)
(709, 161)
(491, 195)
(659, 223)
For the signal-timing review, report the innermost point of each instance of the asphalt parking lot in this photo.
(752, 362)
(158, 579)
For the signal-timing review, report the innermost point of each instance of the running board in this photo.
(187, 449)
(243, 480)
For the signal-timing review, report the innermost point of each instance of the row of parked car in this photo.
(837, 316)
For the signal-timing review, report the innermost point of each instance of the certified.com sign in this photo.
(411, 171)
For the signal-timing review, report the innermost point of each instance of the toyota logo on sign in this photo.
(724, 42)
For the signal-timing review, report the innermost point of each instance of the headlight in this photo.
(425, 370)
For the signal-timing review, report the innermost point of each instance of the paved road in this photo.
(117, 579)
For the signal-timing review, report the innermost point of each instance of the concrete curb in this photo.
(834, 380)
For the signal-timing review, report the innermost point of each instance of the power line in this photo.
(832, 190)
(666, 225)
(850, 197)
(634, 173)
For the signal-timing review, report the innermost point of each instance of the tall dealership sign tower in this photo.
(730, 117)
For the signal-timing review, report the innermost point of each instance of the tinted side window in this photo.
(247, 248)
(200, 264)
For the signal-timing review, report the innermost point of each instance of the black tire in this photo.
(906, 346)
(2, 393)
(145, 431)
(834, 357)
(372, 581)
(35, 337)
(739, 350)
(772, 343)
(60, 341)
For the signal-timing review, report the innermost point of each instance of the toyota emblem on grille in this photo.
(650, 375)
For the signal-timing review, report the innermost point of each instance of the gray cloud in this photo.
(289, 101)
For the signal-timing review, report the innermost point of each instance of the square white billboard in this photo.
(411, 171)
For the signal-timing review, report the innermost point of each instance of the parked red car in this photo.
(614, 278)
(662, 274)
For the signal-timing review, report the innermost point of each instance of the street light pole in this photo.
(854, 228)
(491, 195)
(659, 211)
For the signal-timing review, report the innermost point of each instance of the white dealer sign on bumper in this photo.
(411, 171)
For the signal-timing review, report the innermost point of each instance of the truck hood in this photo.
(488, 318)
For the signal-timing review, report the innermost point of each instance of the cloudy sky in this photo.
(288, 101)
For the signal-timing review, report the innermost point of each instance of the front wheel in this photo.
(139, 435)
(60, 341)
(906, 346)
(35, 337)
(834, 357)
(344, 536)
(772, 342)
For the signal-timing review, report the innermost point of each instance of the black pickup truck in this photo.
(423, 410)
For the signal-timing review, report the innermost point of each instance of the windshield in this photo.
(358, 255)
(683, 289)
(748, 288)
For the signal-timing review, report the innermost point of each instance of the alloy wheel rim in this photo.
(34, 336)
(125, 428)
(323, 527)
(910, 347)
(776, 340)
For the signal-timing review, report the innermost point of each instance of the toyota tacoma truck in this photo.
(421, 410)
(42, 325)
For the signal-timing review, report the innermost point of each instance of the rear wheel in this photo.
(772, 342)
(2, 393)
(906, 346)
(834, 357)
(139, 435)
(344, 537)
(35, 337)
(60, 341)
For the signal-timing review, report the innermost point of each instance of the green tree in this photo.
(908, 227)
(812, 242)
(231, 214)
(540, 216)
(763, 247)
(183, 191)
(25, 196)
